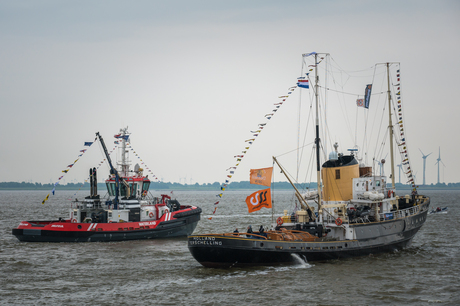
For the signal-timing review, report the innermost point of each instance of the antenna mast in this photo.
(390, 127)
(317, 140)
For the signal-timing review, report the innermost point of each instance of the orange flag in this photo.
(261, 176)
(259, 199)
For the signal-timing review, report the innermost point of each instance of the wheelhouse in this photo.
(133, 187)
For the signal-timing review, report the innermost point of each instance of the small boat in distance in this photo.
(354, 212)
(439, 210)
(128, 212)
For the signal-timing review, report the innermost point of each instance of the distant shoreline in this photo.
(243, 185)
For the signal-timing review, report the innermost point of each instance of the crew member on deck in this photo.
(249, 231)
(262, 231)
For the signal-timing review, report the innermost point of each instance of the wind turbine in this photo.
(439, 160)
(424, 164)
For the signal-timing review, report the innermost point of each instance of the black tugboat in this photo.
(128, 212)
(357, 214)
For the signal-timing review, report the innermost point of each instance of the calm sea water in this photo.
(162, 272)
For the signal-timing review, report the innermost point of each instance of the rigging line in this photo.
(310, 168)
(356, 127)
(350, 93)
(326, 96)
(294, 149)
(380, 152)
(381, 119)
(298, 123)
(366, 122)
(325, 105)
(306, 129)
(375, 115)
(345, 71)
(300, 148)
(341, 100)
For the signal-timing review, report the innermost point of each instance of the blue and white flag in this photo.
(367, 95)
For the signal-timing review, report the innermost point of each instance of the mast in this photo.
(390, 127)
(317, 140)
(112, 170)
(124, 163)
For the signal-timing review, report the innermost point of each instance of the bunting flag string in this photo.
(65, 171)
(402, 145)
(142, 162)
(249, 142)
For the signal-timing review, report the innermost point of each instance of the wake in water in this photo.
(301, 262)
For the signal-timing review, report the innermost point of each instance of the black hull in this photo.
(175, 228)
(218, 251)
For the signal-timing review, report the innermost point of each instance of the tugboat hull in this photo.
(224, 251)
(57, 231)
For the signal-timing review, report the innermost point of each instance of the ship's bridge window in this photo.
(377, 183)
(123, 189)
(133, 188)
(145, 186)
(111, 188)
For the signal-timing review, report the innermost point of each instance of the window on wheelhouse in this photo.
(111, 188)
(133, 188)
(145, 186)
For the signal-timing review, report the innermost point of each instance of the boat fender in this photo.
(151, 214)
(338, 221)
(279, 221)
(74, 220)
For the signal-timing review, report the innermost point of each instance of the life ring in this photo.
(166, 210)
(110, 221)
(74, 220)
(390, 193)
(151, 214)
(338, 221)
(279, 221)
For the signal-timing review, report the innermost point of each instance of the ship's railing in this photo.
(402, 213)
(84, 205)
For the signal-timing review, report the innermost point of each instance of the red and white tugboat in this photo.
(128, 212)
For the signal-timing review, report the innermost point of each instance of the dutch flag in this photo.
(303, 83)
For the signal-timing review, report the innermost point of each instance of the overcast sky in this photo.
(191, 79)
